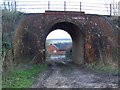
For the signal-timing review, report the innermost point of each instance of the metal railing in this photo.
(41, 6)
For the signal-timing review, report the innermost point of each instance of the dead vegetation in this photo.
(9, 22)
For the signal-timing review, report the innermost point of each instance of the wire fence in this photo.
(42, 6)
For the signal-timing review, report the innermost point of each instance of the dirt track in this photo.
(72, 76)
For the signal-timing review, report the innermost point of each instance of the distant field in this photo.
(58, 40)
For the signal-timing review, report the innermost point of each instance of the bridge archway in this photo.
(77, 36)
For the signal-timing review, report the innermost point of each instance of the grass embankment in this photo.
(103, 68)
(23, 78)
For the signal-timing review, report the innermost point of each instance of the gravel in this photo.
(72, 76)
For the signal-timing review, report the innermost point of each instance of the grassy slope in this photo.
(103, 68)
(23, 78)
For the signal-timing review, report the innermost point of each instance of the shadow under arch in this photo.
(77, 36)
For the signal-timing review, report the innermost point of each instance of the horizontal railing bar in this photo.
(58, 2)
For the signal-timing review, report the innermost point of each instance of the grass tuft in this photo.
(23, 78)
(103, 68)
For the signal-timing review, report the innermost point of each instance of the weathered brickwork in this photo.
(94, 37)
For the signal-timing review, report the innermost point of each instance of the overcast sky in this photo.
(96, 1)
(87, 6)
(58, 34)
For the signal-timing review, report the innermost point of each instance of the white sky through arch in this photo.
(58, 34)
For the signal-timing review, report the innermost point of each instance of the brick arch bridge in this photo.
(93, 36)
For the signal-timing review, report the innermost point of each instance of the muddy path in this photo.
(72, 76)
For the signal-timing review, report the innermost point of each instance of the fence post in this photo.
(48, 5)
(110, 9)
(119, 9)
(80, 7)
(9, 6)
(119, 21)
(15, 6)
(64, 5)
(4, 5)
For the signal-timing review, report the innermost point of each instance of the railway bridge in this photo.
(94, 37)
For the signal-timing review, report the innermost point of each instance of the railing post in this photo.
(48, 5)
(80, 7)
(64, 5)
(110, 9)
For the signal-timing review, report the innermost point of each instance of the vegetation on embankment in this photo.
(105, 68)
(115, 20)
(10, 19)
(23, 78)
(112, 66)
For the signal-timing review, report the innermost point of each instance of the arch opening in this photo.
(58, 45)
(77, 38)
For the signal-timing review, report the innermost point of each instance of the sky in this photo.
(58, 34)
(86, 3)
(94, 1)
(41, 5)
(88, 6)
